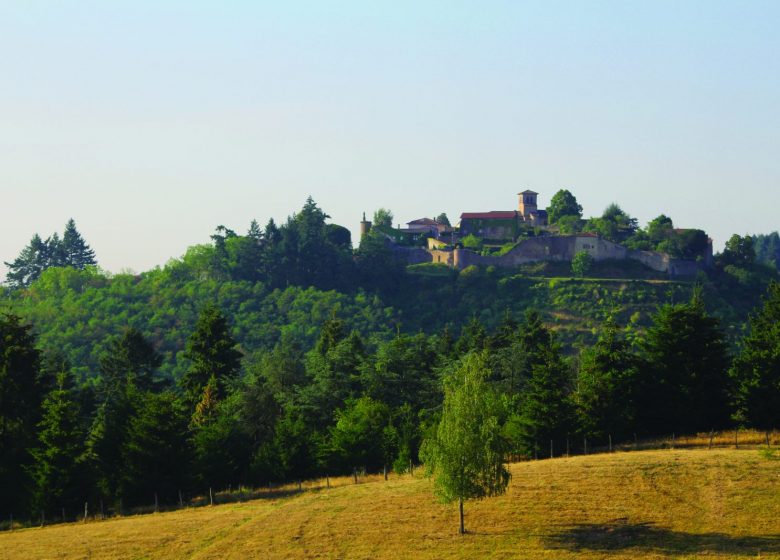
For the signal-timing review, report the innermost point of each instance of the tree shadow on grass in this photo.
(648, 538)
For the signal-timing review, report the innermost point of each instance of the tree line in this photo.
(350, 402)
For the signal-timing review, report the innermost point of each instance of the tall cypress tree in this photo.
(756, 370)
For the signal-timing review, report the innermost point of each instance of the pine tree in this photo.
(29, 265)
(60, 443)
(75, 250)
(20, 399)
(212, 351)
(546, 409)
(606, 386)
(684, 384)
(466, 454)
(130, 359)
(756, 369)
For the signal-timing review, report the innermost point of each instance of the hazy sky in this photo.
(152, 122)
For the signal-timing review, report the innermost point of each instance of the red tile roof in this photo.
(494, 215)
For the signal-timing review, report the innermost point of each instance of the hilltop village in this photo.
(509, 238)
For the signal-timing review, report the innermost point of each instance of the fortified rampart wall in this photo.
(555, 248)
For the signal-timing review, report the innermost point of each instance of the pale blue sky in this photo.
(151, 123)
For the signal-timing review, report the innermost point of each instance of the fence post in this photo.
(299, 486)
(86, 511)
(610, 443)
(712, 434)
(385, 472)
(736, 437)
(636, 443)
(211, 497)
(181, 502)
(156, 504)
(551, 449)
(567, 446)
(767, 439)
(101, 510)
(672, 440)
(63, 515)
(327, 480)
(354, 474)
(11, 526)
(585, 445)
(43, 518)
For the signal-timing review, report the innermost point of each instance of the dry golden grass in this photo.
(649, 504)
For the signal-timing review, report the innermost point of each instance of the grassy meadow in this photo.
(675, 503)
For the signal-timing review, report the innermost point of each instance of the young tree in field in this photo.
(756, 370)
(563, 203)
(212, 350)
(466, 454)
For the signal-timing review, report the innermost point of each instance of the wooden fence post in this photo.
(156, 504)
(610, 443)
(327, 480)
(86, 511)
(63, 515)
(712, 435)
(567, 446)
(585, 445)
(211, 497)
(551, 449)
(736, 437)
(181, 502)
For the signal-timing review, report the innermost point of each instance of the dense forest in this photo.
(284, 353)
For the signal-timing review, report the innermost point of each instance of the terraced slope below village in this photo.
(649, 504)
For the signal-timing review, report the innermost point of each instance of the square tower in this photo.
(527, 205)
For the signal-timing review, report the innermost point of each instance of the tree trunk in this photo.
(460, 508)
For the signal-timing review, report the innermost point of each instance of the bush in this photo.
(581, 264)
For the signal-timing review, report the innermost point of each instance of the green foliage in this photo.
(21, 391)
(473, 242)
(685, 386)
(383, 217)
(739, 252)
(606, 384)
(756, 369)
(39, 255)
(443, 219)
(614, 224)
(581, 264)
(563, 204)
(466, 455)
(212, 353)
(359, 437)
(767, 249)
(546, 409)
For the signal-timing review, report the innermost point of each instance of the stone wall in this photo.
(557, 248)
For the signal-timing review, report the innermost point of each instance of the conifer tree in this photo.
(20, 399)
(606, 385)
(684, 385)
(756, 369)
(466, 454)
(212, 351)
(60, 443)
(29, 265)
(546, 409)
(76, 252)
(130, 359)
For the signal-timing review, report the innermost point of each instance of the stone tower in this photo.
(365, 226)
(527, 203)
